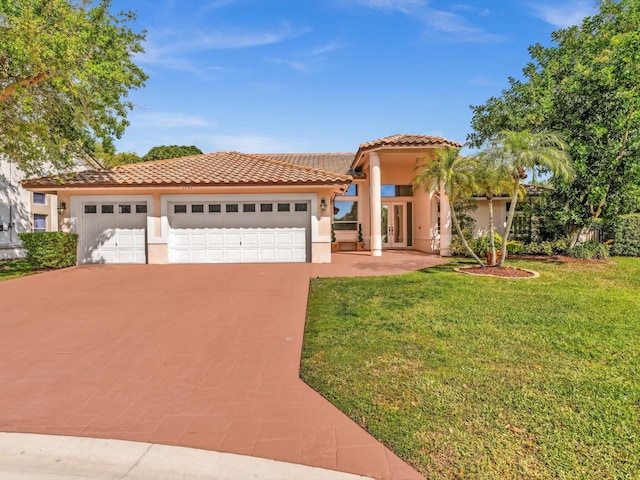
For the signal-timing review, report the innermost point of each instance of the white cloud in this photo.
(441, 24)
(293, 64)
(170, 47)
(168, 120)
(250, 143)
(564, 14)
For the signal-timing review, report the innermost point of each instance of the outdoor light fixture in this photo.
(62, 206)
(323, 205)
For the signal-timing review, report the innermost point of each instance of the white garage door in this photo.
(239, 232)
(113, 233)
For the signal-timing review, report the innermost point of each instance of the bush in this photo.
(590, 250)
(50, 250)
(514, 247)
(626, 235)
(538, 248)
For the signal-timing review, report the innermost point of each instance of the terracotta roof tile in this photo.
(406, 140)
(222, 168)
(332, 162)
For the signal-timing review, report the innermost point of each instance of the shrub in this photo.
(514, 247)
(50, 250)
(560, 246)
(590, 250)
(538, 248)
(627, 235)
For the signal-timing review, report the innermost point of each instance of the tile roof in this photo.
(405, 140)
(215, 169)
(332, 162)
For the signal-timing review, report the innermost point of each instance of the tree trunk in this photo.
(454, 219)
(492, 239)
(512, 212)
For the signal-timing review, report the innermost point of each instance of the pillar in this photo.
(375, 196)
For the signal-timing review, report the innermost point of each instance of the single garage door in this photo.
(239, 232)
(113, 233)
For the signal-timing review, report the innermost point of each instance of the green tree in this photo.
(523, 150)
(171, 151)
(450, 174)
(65, 71)
(586, 87)
(121, 158)
(492, 179)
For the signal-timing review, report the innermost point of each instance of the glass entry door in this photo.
(394, 224)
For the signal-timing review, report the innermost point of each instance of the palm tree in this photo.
(523, 150)
(492, 179)
(452, 175)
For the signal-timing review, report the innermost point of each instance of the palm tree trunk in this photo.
(492, 238)
(454, 219)
(512, 212)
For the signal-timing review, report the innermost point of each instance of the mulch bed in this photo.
(502, 272)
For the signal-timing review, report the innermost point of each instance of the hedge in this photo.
(50, 250)
(626, 239)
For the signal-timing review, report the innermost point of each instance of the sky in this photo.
(284, 76)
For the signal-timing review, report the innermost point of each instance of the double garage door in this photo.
(239, 232)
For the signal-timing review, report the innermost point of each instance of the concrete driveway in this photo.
(202, 356)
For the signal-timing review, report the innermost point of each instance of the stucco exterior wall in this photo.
(481, 216)
(159, 199)
(15, 216)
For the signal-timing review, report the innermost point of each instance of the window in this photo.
(396, 191)
(179, 209)
(90, 209)
(249, 207)
(39, 198)
(231, 208)
(284, 207)
(266, 207)
(197, 208)
(215, 208)
(39, 223)
(345, 215)
(301, 207)
(142, 208)
(106, 208)
(124, 208)
(352, 191)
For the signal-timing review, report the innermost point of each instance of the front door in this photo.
(394, 225)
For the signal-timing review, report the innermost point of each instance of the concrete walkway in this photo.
(25, 456)
(199, 356)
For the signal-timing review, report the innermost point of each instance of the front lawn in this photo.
(485, 378)
(15, 268)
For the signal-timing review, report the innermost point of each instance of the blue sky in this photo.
(263, 76)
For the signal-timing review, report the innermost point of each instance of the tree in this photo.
(519, 151)
(66, 69)
(492, 178)
(452, 175)
(586, 87)
(171, 151)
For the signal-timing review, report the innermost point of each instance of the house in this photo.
(234, 207)
(22, 210)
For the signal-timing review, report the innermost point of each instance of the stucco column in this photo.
(445, 224)
(375, 199)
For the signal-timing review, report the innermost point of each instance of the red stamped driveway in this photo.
(202, 356)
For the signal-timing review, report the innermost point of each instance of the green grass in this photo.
(15, 268)
(484, 378)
